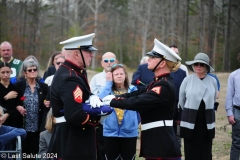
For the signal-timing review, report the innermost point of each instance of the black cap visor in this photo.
(154, 54)
(88, 48)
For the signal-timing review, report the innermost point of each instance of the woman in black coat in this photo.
(10, 98)
(34, 110)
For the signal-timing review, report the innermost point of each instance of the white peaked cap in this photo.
(161, 49)
(83, 42)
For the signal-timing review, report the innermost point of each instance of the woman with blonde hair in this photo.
(51, 66)
(46, 135)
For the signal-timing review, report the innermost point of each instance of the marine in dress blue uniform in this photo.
(155, 105)
(74, 134)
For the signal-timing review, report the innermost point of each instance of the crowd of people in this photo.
(163, 104)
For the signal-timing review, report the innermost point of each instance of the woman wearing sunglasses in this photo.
(59, 61)
(34, 110)
(120, 128)
(21, 74)
(9, 98)
(196, 98)
(155, 104)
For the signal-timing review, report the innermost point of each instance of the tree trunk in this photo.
(210, 30)
(215, 45)
(183, 8)
(3, 20)
(227, 39)
(186, 32)
(95, 12)
(172, 15)
(202, 28)
(67, 13)
(176, 24)
(145, 28)
(95, 30)
(34, 28)
(25, 23)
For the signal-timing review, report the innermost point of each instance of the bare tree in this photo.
(215, 43)
(227, 39)
(210, 29)
(145, 27)
(202, 28)
(126, 27)
(172, 14)
(3, 20)
(186, 31)
(94, 8)
(35, 30)
(177, 21)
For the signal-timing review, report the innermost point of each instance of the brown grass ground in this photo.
(222, 140)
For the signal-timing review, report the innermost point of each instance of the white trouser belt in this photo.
(59, 119)
(156, 124)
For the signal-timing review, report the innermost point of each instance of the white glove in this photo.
(106, 103)
(108, 98)
(94, 101)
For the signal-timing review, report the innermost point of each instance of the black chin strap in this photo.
(157, 65)
(84, 65)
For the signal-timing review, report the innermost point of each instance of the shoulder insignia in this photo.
(77, 94)
(156, 89)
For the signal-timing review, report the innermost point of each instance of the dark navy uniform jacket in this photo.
(144, 75)
(75, 138)
(154, 104)
(178, 77)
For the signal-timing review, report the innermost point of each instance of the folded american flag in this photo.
(98, 111)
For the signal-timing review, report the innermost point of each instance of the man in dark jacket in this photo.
(178, 77)
(142, 77)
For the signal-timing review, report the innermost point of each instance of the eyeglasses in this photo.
(32, 70)
(7, 72)
(59, 63)
(111, 60)
(116, 65)
(199, 64)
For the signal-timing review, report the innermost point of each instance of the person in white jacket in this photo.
(196, 98)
